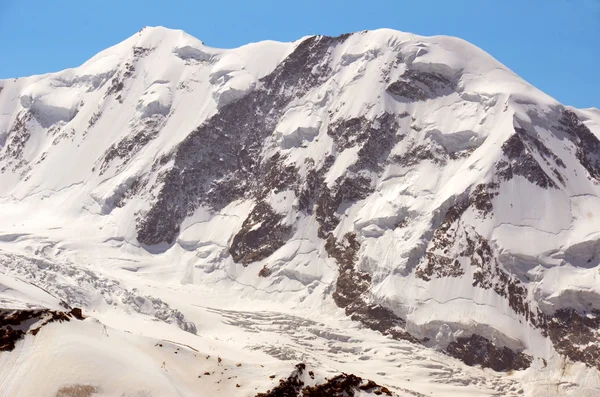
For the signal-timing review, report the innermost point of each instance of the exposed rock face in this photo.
(15, 324)
(469, 248)
(415, 85)
(376, 138)
(585, 141)
(465, 244)
(351, 291)
(443, 238)
(522, 162)
(222, 157)
(576, 335)
(477, 350)
(14, 147)
(129, 146)
(262, 234)
(343, 385)
(222, 161)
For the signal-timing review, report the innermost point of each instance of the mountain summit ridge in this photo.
(413, 185)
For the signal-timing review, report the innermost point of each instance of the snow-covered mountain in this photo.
(398, 207)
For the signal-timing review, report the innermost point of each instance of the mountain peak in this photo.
(150, 35)
(412, 186)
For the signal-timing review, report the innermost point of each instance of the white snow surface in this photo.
(62, 237)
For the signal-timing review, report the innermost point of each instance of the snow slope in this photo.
(363, 203)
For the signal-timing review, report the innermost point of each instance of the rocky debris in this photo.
(490, 274)
(379, 318)
(92, 122)
(77, 313)
(221, 161)
(376, 138)
(77, 391)
(526, 152)
(350, 284)
(415, 85)
(343, 385)
(118, 81)
(60, 133)
(94, 119)
(576, 335)
(516, 293)
(477, 350)
(231, 187)
(290, 387)
(587, 144)
(573, 334)
(15, 324)
(440, 265)
(262, 233)
(265, 272)
(455, 242)
(327, 206)
(438, 148)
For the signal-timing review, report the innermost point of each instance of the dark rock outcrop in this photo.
(262, 234)
(15, 324)
(130, 145)
(576, 335)
(477, 350)
(351, 292)
(587, 144)
(343, 385)
(520, 161)
(18, 136)
(415, 85)
(222, 158)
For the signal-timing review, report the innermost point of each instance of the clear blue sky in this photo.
(554, 44)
